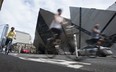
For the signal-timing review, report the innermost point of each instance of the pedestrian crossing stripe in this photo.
(70, 64)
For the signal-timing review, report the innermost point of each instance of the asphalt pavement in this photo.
(40, 63)
(9, 63)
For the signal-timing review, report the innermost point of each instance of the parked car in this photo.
(25, 51)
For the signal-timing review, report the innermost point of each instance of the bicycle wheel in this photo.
(50, 50)
(90, 51)
(7, 50)
(113, 38)
(69, 50)
(1, 49)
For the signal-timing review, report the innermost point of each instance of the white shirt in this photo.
(56, 23)
(96, 35)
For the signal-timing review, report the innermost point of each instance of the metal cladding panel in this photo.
(111, 28)
(1, 2)
(42, 28)
(74, 14)
(112, 7)
(37, 40)
(47, 16)
(90, 17)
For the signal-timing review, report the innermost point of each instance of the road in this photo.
(40, 63)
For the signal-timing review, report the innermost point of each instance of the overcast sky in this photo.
(22, 14)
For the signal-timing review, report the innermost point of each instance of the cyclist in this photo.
(10, 36)
(96, 33)
(56, 25)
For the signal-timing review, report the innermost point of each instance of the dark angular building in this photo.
(42, 30)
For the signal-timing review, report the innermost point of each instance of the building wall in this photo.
(22, 37)
(112, 26)
(3, 33)
(1, 2)
(112, 7)
(42, 30)
(90, 17)
(18, 47)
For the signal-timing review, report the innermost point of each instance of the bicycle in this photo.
(91, 50)
(52, 47)
(69, 47)
(58, 47)
(8, 47)
(101, 48)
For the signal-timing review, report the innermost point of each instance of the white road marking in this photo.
(22, 58)
(75, 66)
(15, 54)
(71, 64)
